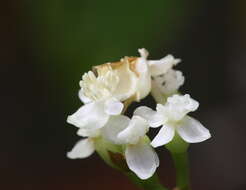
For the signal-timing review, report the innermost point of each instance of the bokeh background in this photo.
(46, 46)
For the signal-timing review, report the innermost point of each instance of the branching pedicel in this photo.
(122, 142)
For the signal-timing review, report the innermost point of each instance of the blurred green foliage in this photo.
(71, 36)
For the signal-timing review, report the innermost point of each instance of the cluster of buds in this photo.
(106, 92)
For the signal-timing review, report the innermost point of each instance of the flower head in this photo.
(129, 77)
(140, 156)
(106, 92)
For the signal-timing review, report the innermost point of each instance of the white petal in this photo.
(161, 66)
(84, 98)
(143, 53)
(82, 149)
(113, 127)
(142, 159)
(154, 119)
(192, 131)
(168, 83)
(136, 129)
(88, 133)
(156, 93)
(113, 107)
(144, 79)
(127, 81)
(161, 109)
(90, 116)
(101, 86)
(164, 136)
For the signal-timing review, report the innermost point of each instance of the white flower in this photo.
(165, 80)
(166, 84)
(94, 115)
(152, 68)
(173, 117)
(113, 80)
(130, 77)
(102, 95)
(140, 156)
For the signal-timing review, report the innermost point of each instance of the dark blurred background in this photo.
(46, 46)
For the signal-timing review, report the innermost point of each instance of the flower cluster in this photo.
(111, 87)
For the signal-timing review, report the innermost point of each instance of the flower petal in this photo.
(161, 109)
(88, 133)
(161, 66)
(154, 119)
(90, 116)
(101, 86)
(156, 93)
(113, 127)
(113, 107)
(144, 79)
(84, 98)
(192, 131)
(143, 53)
(127, 81)
(136, 129)
(164, 136)
(82, 149)
(142, 159)
(168, 83)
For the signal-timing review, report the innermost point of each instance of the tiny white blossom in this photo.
(140, 156)
(173, 117)
(101, 97)
(167, 84)
(153, 68)
(95, 115)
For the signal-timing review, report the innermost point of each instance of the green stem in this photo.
(152, 183)
(182, 170)
(178, 149)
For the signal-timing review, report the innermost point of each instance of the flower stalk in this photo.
(181, 164)
(152, 183)
(178, 150)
